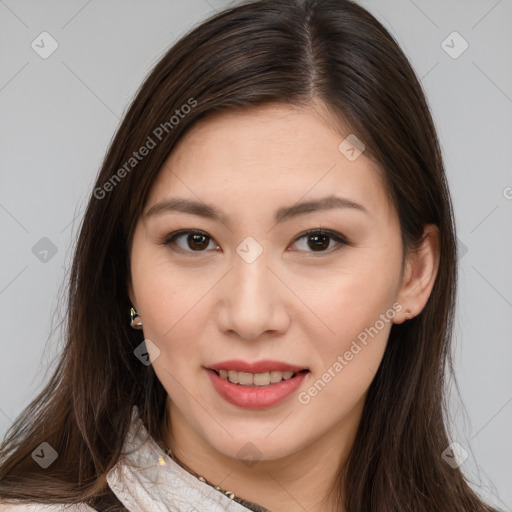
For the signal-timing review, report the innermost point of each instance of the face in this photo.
(240, 264)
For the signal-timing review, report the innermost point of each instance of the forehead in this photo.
(268, 154)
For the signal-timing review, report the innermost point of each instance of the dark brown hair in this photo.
(256, 53)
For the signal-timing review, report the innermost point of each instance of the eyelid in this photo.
(170, 238)
(334, 235)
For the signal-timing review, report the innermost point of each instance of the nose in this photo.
(253, 301)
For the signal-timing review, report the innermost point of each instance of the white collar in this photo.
(145, 479)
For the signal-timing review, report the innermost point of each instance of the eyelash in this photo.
(337, 237)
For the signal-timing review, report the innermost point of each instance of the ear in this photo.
(419, 275)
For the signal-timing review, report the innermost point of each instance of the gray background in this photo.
(58, 116)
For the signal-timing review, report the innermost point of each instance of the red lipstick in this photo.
(252, 396)
(265, 365)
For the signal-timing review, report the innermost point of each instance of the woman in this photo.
(262, 293)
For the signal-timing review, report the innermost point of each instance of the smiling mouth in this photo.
(256, 379)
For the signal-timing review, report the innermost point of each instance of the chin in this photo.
(258, 447)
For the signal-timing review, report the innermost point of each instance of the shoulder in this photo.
(22, 506)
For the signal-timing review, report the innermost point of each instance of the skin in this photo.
(291, 304)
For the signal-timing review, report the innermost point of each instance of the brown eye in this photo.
(190, 241)
(320, 241)
(197, 242)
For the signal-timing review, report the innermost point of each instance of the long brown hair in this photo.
(252, 54)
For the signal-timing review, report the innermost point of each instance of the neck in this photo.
(299, 481)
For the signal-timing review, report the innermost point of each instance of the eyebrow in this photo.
(210, 212)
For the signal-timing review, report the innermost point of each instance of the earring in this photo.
(408, 314)
(135, 324)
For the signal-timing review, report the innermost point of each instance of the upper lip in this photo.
(263, 366)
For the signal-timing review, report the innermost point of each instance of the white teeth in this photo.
(246, 379)
(276, 377)
(262, 379)
(233, 377)
(255, 379)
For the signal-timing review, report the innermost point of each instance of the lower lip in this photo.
(256, 397)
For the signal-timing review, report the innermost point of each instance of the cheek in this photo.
(168, 296)
(348, 300)
(171, 320)
(347, 365)
(355, 305)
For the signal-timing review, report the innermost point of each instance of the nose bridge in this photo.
(251, 280)
(252, 301)
(250, 272)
